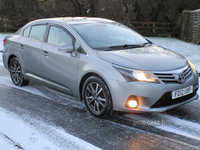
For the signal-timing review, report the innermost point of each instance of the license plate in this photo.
(182, 92)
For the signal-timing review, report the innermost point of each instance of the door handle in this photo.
(45, 54)
(21, 47)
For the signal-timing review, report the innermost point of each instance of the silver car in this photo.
(100, 61)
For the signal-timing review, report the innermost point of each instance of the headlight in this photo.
(136, 75)
(192, 66)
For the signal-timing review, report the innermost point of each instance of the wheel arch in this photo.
(85, 77)
(9, 59)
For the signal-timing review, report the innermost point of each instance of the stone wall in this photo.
(189, 26)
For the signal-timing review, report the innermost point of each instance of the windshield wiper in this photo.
(122, 47)
(143, 45)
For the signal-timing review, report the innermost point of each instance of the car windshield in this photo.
(109, 36)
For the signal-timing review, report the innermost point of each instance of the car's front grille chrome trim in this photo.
(176, 76)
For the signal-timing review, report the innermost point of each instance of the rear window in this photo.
(27, 31)
(37, 32)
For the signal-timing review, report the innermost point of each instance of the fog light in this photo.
(131, 104)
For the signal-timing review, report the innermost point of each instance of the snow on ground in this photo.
(24, 135)
(16, 132)
(7, 82)
(20, 133)
(7, 144)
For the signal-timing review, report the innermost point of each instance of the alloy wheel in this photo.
(95, 97)
(16, 73)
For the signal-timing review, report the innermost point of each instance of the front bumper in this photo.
(152, 97)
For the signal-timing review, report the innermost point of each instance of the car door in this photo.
(30, 50)
(59, 69)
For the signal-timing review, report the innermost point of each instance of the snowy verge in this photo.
(25, 136)
(7, 144)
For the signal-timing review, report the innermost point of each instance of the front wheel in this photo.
(97, 96)
(16, 73)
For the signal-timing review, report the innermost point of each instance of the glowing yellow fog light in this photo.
(131, 104)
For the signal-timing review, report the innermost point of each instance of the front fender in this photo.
(94, 65)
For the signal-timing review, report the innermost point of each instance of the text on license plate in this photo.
(182, 92)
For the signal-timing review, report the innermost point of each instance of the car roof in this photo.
(75, 20)
(65, 21)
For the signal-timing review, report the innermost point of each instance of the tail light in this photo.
(4, 42)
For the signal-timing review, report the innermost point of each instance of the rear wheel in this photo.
(97, 96)
(16, 73)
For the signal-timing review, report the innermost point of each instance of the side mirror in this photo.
(66, 48)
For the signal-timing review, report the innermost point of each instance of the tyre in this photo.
(16, 73)
(97, 97)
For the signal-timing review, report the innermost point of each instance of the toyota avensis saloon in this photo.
(100, 61)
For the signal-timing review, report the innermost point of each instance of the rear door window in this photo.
(37, 32)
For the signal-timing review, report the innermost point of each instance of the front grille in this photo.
(166, 99)
(173, 77)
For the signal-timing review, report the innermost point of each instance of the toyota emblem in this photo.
(180, 78)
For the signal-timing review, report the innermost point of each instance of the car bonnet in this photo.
(153, 58)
